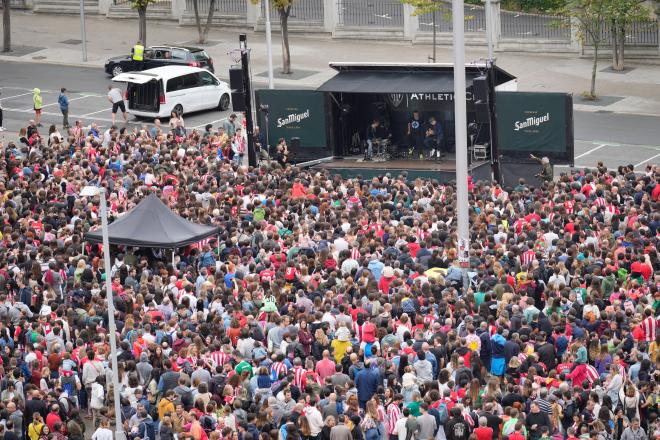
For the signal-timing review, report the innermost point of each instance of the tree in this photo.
(590, 17)
(203, 32)
(141, 7)
(6, 26)
(621, 14)
(283, 7)
(430, 7)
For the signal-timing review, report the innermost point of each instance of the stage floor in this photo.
(444, 169)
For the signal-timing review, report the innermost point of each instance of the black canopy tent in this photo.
(151, 224)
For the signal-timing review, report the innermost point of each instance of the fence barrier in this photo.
(370, 13)
(221, 7)
(301, 10)
(534, 26)
(475, 20)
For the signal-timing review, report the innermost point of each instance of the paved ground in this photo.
(611, 137)
(48, 39)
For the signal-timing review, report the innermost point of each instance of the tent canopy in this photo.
(151, 224)
(403, 78)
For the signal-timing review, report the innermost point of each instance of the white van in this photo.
(156, 93)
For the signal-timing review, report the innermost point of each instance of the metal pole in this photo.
(119, 429)
(269, 47)
(82, 30)
(247, 89)
(489, 29)
(434, 33)
(460, 127)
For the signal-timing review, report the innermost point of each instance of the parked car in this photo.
(156, 93)
(159, 56)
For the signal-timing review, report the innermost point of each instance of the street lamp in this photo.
(91, 191)
(269, 46)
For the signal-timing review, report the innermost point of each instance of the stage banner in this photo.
(294, 113)
(538, 123)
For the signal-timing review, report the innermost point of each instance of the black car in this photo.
(158, 56)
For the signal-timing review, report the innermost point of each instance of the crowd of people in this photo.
(329, 308)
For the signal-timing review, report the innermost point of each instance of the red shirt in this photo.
(484, 433)
(51, 419)
(516, 436)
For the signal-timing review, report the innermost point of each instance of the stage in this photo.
(443, 170)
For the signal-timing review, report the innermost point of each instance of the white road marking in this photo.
(15, 96)
(70, 100)
(647, 160)
(206, 123)
(591, 151)
(99, 111)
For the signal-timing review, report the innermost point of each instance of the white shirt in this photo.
(102, 434)
(115, 95)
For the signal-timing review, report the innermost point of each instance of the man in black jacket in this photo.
(535, 421)
(34, 405)
(457, 428)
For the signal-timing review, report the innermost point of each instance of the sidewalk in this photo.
(43, 39)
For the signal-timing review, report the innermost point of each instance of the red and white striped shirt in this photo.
(649, 325)
(359, 330)
(200, 244)
(278, 368)
(592, 373)
(355, 253)
(527, 257)
(600, 201)
(218, 358)
(299, 377)
(393, 415)
(612, 209)
(568, 204)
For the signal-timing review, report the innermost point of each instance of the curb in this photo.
(6, 58)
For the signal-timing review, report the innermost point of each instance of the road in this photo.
(611, 137)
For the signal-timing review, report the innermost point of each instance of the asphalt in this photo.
(614, 138)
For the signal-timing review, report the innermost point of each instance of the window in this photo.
(175, 84)
(191, 80)
(179, 54)
(208, 79)
(199, 56)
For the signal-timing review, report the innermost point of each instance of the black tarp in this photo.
(403, 78)
(353, 81)
(151, 224)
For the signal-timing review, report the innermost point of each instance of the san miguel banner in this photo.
(535, 123)
(295, 113)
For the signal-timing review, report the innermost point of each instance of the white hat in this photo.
(343, 334)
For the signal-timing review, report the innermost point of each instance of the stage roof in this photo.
(403, 78)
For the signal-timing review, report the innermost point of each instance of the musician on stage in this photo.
(376, 134)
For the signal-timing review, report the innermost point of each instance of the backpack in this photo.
(258, 214)
(207, 422)
(4, 312)
(146, 430)
(444, 414)
(340, 407)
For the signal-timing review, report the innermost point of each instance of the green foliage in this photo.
(141, 4)
(276, 4)
(533, 5)
(427, 6)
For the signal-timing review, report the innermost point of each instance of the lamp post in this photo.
(90, 191)
(82, 30)
(460, 127)
(269, 46)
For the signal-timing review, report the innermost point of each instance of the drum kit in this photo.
(384, 150)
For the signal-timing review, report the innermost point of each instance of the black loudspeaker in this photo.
(295, 143)
(236, 78)
(480, 88)
(482, 113)
(238, 101)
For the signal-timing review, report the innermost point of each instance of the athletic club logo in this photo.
(396, 99)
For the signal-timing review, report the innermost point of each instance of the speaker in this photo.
(238, 101)
(236, 78)
(480, 88)
(295, 143)
(482, 112)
